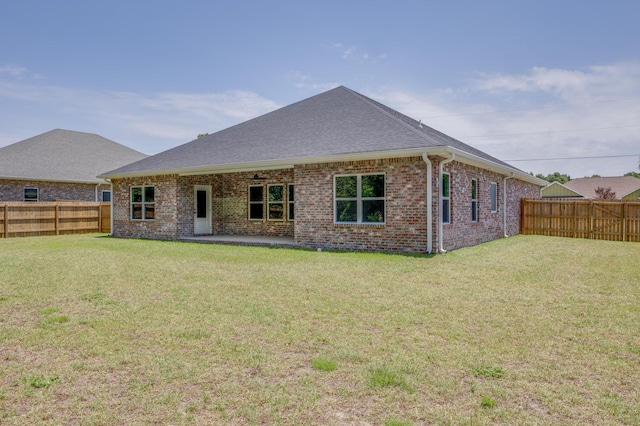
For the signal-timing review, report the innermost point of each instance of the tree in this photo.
(605, 193)
(202, 135)
(634, 174)
(555, 177)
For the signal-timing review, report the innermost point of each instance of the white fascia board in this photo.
(474, 160)
(37, 179)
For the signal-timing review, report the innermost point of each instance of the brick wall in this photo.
(462, 232)
(165, 224)
(13, 190)
(405, 229)
(230, 203)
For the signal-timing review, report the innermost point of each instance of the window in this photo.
(291, 203)
(256, 202)
(474, 200)
(494, 196)
(143, 204)
(275, 202)
(31, 194)
(106, 196)
(359, 199)
(446, 200)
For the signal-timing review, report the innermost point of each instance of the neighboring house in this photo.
(558, 190)
(625, 188)
(337, 170)
(61, 165)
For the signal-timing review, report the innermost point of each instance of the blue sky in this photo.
(520, 80)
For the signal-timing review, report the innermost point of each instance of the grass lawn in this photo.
(525, 330)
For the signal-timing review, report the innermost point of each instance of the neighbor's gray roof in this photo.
(64, 155)
(621, 185)
(334, 123)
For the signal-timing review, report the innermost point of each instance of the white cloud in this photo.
(303, 81)
(18, 72)
(353, 53)
(13, 70)
(148, 122)
(545, 113)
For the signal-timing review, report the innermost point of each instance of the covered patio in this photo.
(242, 240)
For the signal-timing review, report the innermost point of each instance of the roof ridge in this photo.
(403, 119)
(421, 129)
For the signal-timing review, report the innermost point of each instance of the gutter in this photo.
(425, 158)
(111, 206)
(441, 169)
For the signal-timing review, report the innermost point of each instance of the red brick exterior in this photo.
(405, 228)
(230, 203)
(13, 190)
(462, 232)
(165, 224)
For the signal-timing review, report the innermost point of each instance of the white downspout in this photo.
(111, 206)
(425, 158)
(96, 191)
(504, 204)
(441, 169)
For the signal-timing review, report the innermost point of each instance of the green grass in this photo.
(524, 330)
(324, 364)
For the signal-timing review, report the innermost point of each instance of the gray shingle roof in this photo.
(337, 122)
(621, 185)
(64, 155)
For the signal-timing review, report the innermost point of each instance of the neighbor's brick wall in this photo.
(164, 226)
(462, 232)
(405, 229)
(13, 190)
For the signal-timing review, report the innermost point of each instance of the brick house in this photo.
(337, 171)
(60, 165)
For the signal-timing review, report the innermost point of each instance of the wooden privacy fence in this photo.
(595, 219)
(23, 219)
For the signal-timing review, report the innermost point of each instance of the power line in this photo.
(527, 109)
(547, 132)
(577, 158)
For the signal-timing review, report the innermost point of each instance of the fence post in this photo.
(57, 210)
(624, 222)
(591, 213)
(6, 220)
(99, 217)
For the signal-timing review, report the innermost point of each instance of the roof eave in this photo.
(288, 163)
(40, 179)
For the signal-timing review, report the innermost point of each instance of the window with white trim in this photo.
(256, 202)
(30, 194)
(143, 205)
(291, 203)
(275, 202)
(359, 198)
(446, 199)
(494, 196)
(474, 200)
(106, 196)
